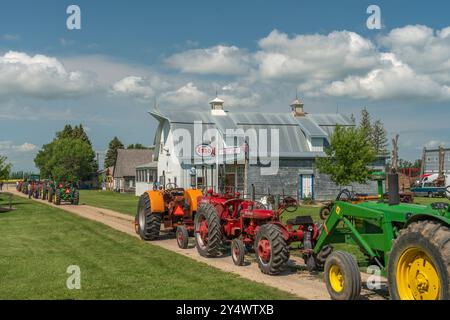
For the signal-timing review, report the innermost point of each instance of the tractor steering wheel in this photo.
(347, 193)
(289, 204)
(170, 186)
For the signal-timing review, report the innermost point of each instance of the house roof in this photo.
(293, 131)
(128, 159)
(151, 165)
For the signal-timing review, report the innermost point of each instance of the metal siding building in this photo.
(302, 138)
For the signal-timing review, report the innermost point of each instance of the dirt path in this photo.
(301, 284)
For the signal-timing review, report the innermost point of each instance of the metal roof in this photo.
(127, 161)
(293, 131)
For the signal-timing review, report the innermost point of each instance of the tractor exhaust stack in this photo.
(394, 195)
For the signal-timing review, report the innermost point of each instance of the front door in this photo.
(306, 186)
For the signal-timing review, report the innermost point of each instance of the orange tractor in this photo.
(173, 208)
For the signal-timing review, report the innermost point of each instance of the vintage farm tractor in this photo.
(65, 192)
(247, 225)
(410, 244)
(33, 189)
(173, 207)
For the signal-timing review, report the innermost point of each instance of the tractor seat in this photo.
(300, 220)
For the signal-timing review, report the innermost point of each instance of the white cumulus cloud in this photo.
(40, 76)
(188, 95)
(220, 59)
(134, 86)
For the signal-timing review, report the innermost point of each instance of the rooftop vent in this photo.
(217, 107)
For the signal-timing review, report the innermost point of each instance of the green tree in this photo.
(5, 168)
(365, 124)
(111, 155)
(68, 157)
(347, 157)
(379, 138)
(137, 146)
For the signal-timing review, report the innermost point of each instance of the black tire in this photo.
(322, 256)
(238, 252)
(431, 238)
(279, 251)
(76, 198)
(349, 275)
(182, 237)
(58, 197)
(210, 246)
(149, 222)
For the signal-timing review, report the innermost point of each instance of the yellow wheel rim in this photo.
(336, 278)
(417, 277)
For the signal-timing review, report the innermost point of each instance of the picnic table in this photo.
(9, 195)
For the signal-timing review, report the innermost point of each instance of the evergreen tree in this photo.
(379, 138)
(365, 125)
(111, 154)
(137, 146)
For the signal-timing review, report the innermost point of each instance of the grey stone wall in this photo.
(287, 181)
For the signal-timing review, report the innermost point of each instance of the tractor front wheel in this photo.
(342, 276)
(182, 237)
(208, 234)
(238, 252)
(76, 198)
(58, 197)
(272, 252)
(149, 223)
(419, 264)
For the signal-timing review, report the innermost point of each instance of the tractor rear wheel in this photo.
(149, 222)
(182, 237)
(272, 252)
(208, 233)
(238, 252)
(342, 276)
(419, 263)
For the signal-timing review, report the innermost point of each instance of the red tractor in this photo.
(248, 225)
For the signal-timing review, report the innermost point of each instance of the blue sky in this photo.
(257, 53)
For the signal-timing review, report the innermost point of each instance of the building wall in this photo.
(432, 161)
(142, 187)
(287, 181)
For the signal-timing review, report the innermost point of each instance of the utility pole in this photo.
(246, 167)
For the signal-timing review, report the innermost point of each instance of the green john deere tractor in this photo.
(409, 243)
(64, 192)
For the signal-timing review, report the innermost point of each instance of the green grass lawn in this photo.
(121, 202)
(39, 242)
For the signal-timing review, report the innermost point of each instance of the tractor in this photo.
(248, 226)
(65, 192)
(410, 244)
(33, 189)
(172, 207)
(44, 190)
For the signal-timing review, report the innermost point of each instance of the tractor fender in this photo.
(428, 217)
(283, 229)
(156, 201)
(193, 197)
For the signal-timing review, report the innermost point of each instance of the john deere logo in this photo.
(338, 210)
